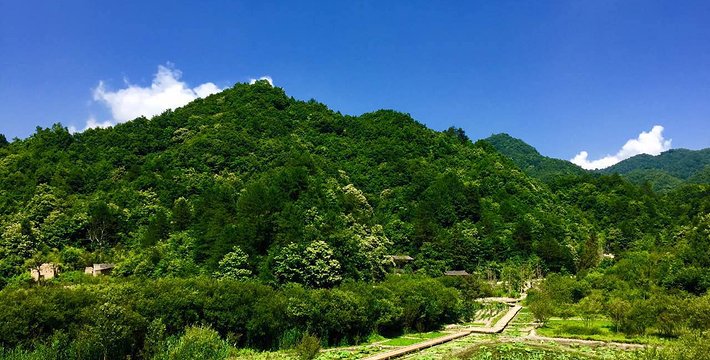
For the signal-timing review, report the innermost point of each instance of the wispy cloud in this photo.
(651, 142)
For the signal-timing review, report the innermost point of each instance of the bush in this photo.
(308, 348)
(103, 317)
(197, 343)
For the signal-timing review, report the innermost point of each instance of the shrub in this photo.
(198, 343)
(308, 348)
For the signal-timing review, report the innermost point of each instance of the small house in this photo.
(99, 269)
(456, 273)
(45, 271)
(400, 260)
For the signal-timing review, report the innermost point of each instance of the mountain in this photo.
(254, 169)
(530, 160)
(667, 170)
(266, 219)
(253, 172)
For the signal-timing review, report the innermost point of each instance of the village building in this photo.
(400, 260)
(46, 271)
(99, 269)
(456, 273)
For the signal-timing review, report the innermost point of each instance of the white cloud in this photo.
(165, 92)
(267, 78)
(651, 142)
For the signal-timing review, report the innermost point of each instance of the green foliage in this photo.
(312, 265)
(540, 304)
(253, 168)
(197, 343)
(529, 160)
(308, 348)
(252, 181)
(234, 265)
(590, 307)
(119, 318)
(679, 163)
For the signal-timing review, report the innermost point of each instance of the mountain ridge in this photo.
(663, 172)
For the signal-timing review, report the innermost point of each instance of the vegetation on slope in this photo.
(530, 160)
(265, 218)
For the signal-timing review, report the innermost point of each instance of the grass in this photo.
(600, 329)
(411, 339)
(401, 342)
(520, 350)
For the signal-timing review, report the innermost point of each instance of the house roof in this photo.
(401, 257)
(103, 266)
(456, 273)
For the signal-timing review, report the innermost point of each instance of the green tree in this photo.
(591, 252)
(312, 265)
(699, 313)
(103, 224)
(617, 309)
(181, 214)
(590, 307)
(540, 304)
(234, 265)
(198, 343)
(157, 230)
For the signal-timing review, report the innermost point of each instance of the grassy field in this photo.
(599, 329)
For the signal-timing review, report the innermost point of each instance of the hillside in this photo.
(530, 160)
(250, 219)
(679, 163)
(666, 171)
(254, 169)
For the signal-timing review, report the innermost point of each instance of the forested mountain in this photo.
(664, 172)
(530, 160)
(287, 211)
(253, 168)
(679, 163)
(667, 170)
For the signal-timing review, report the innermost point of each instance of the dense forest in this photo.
(290, 213)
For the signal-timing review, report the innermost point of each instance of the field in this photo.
(600, 329)
(520, 350)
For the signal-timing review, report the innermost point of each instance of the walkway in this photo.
(497, 328)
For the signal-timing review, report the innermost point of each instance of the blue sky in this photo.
(564, 76)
